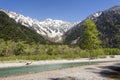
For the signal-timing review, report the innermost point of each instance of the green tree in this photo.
(50, 50)
(3, 49)
(90, 38)
(20, 48)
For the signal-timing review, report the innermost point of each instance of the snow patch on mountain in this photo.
(95, 15)
(53, 29)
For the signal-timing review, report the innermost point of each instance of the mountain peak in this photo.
(48, 19)
(114, 8)
(52, 29)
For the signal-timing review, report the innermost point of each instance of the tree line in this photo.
(10, 50)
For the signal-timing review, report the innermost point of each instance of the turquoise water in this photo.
(38, 68)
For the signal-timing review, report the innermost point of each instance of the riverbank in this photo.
(101, 71)
(45, 62)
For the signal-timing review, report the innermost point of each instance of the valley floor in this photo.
(102, 71)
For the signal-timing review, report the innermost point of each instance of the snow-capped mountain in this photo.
(52, 29)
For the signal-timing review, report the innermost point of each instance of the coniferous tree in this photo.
(90, 39)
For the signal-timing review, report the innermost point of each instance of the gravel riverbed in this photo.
(101, 71)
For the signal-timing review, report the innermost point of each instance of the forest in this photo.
(10, 50)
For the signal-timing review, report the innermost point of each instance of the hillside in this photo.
(108, 24)
(10, 30)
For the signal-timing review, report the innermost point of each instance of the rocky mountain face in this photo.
(10, 30)
(53, 30)
(107, 22)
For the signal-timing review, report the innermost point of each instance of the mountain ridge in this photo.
(49, 28)
(10, 30)
(108, 23)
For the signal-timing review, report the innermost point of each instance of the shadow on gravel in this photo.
(112, 71)
(67, 78)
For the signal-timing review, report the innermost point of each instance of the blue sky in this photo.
(67, 10)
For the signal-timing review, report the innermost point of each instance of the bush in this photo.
(10, 50)
(112, 51)
(112, 56)
(101, 56)
(20, 49)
